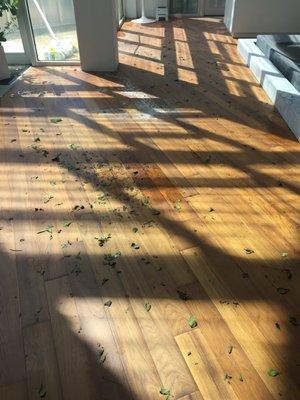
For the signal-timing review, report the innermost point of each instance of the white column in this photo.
(97, 34)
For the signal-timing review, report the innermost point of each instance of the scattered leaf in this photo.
(101, 354)
(288, 273)
(177, 205)
(227, 377)
(192, 322)
(49, 229)
(108, 303)
(103, 239)
(56, 158)
(284, 254)
(166, 392)
(67, 224)
(78, 207)
(104, 280)
(72, 146)
(282, 290)
(230, 349)
(145, 201)
(135, 246)
(42, 391)
(55, 120)
(272, 372)
(111, 259)
(155, 212)
(135, 230)
(48, 199)
(147, 307)
(249, 251)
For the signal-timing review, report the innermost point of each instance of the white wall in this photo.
(246, 18)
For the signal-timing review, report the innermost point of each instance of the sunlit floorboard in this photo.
(149, 228)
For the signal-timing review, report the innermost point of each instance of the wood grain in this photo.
(166, 190)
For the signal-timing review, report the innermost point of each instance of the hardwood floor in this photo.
(149, 228)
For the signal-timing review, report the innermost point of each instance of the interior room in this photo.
(149, 213)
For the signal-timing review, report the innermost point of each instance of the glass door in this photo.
(214, 7)
(52, 29)
(16, 45)
(190, 7)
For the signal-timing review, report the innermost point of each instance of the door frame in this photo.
(25, 57)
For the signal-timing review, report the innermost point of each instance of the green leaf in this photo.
(48, 199)
(101, 354)
(164, 391)
(272, 372)
(108, 303)
(111, 259)
(135, 230)
(282, 290)
(72, 146)
(192, 322)
(248, 251)
(227, 377)
(103, 239)
(177, 205)
(42, 391)
(55, 120)
(284, 254)
(78, 207)
(49, 229)
(147, 307)
(145, 201)
(67, 224)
